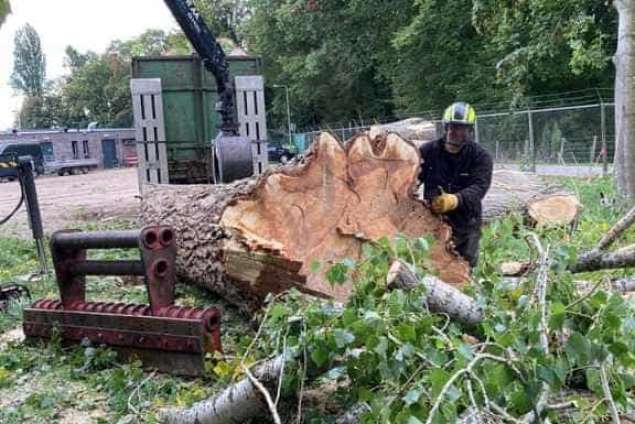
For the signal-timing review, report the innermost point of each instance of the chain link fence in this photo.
(574, 130)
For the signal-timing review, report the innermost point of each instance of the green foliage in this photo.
(389, 351)
(225, 18)
(439, 58)
(29, 62)
(349, 60)
(97, 86)
(5, 9)
(544, 45)
(328, 53)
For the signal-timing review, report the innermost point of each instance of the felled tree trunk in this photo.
(251, 238)
(528, 193)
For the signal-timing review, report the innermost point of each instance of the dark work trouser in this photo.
(466, 244)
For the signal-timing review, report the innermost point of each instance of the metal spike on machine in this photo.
(162, 335)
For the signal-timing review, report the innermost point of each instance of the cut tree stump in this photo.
(254, 237)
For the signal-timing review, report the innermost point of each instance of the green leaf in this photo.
(593, 381)
(414, 420)
(337, 274)
(320, 356)
(438, 378)
(558, 314)
(343, 338)
(382, 347)
(412, 397)
(278, 311)
(578, 348)
(407, 332)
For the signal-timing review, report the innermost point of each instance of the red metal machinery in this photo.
(162, 335)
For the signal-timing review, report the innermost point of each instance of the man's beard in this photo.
(458, 143)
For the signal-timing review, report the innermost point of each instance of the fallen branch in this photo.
(265, 393)
(616, 230)
(542, 280)
(598, 258)
(441, 297)
(352, 415)
(237, 403)
(623, 285)
(608, 396)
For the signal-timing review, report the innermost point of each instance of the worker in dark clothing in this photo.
(456, 173)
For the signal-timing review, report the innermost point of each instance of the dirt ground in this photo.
(100, 196)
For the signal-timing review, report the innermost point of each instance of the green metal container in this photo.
(189, 109)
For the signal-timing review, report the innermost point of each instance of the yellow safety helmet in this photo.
(459, 113)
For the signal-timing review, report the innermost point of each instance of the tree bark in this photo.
(255, 237)
(440, 297)
(236, 404)
(528, 193)
(625, 99)
(595, 261)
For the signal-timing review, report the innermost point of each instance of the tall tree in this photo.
(329, 54)
(625, 100)
(5, 9)
(29, 67)
(546, 46)
(225, 18)
(74, 59)
(438, 57)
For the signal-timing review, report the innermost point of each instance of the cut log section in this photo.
(515, 269)
(251, 238)
(528, 193)
(554, 210)
(417, 130)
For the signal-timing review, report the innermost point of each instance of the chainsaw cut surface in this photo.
(342, 196)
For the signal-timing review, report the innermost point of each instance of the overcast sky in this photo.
(84, 24)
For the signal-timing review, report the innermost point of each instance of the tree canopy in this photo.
(5, 9)
(357, 60)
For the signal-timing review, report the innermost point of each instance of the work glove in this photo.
(444, 203)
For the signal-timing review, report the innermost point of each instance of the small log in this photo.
(236, 404)
(554, 210)
(417, 130)
(595, 261)
(514, 191)
(441, 297)
(515, 269)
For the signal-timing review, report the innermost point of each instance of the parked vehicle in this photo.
(279, 153)
(25, 149)
(41, 163)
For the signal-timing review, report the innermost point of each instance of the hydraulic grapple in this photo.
(162, 335)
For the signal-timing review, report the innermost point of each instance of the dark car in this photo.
(279, 153)
(15, 150)
(25, 149)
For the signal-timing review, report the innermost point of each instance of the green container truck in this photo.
(189, 109)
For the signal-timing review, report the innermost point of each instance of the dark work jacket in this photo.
(468, 174)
